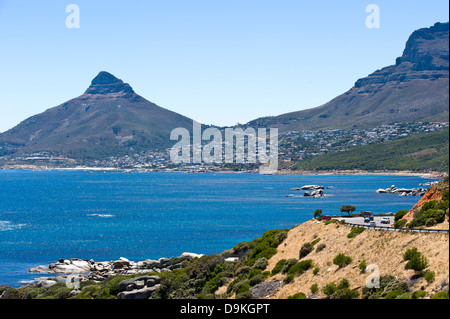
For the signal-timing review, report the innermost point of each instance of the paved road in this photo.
(360, 220)
(377, 220)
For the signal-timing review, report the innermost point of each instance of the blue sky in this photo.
(218, 62)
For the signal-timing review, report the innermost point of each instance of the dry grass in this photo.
(383, 248)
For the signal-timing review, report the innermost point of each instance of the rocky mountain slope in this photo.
(415, 88)
(108, 119)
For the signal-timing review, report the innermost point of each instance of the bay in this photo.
(48, 215)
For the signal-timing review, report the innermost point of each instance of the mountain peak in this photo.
(105, 78)
(106, 83)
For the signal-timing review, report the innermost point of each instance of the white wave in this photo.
(7, 225)
(101, 215)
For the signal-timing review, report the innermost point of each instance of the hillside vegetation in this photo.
(424, 152)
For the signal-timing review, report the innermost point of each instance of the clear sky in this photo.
(218, 62)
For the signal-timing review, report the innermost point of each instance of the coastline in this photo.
(437, 175)
(433, 175)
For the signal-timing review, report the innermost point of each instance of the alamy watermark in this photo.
(373, 280)
(373, 19)
(233, 146)
(73, 19)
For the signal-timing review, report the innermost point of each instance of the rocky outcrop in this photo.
(265, 289)
(413, 89)
(106, 83)
(138, 288)
(402, 191)
(99, 271)
(432, 193)
(317, 191)
(308, 187)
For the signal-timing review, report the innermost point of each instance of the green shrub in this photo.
(345, 293)
(441, 295)
(281, 236)
(299, 295)
(344, 283)
(419, 294)
(355, 231)
(256, 280)
(245, 295)
(253, 273)
(314, 288)
(288, 264)
(261, 263)
(288, 279)
(342, 260)
(405, 295)
(400, 214)
(400, 223)
(278, 267)
(305, 250)
(329, 289)
(316, 271)
(430, 222)
(430, 276)
(265, 246)
(418, 263)
(362, 266)
(393, 286)
(300, 267)
(394, 294)
(320, 247)
(410, 253)
(241, 286)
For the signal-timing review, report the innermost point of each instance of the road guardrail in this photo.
(420, 230)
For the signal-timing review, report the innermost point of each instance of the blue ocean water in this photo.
(48, 215)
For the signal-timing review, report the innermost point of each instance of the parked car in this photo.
(372, 224)
(367, 220)
(385, 220)
(326, 217)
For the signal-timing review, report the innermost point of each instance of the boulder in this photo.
(138, 283)
(37, 269)
(144, 293)
(46, 283)
(265, 289)
(191, 255)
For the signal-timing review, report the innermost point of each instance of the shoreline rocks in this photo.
(99, 271)
(317, 191)
(402, 191)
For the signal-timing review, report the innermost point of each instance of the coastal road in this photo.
(360, 220)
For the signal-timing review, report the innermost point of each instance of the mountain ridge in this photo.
(109, 118)
(415, 88)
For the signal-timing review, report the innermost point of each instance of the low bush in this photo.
(314, 288)
(278, 267)
(305, 250)
(342, 260)
(329, 289)
(299, 295)
(320, 247)
(419, 294)
(441, 295)
(300, 267)
(345, 293)
(394, 294)
(288, 264)
(430, 276)
(355, 232)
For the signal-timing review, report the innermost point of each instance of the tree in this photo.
(317, 213)
(348, 209)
